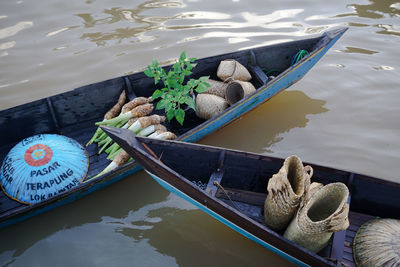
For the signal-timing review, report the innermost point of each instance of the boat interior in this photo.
(240, 180)
(74, 113)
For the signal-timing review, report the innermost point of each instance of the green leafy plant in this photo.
(175, 95)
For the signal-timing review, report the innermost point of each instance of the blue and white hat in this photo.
(42, 166)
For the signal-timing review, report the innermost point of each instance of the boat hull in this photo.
(262, 94)
(225, 221)
(231, 186)
(265, 92)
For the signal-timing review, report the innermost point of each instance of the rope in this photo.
(268, 72)
(299, 56)
(296, 58)
(223, 190)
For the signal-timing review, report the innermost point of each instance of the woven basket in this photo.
(285, 191)
(314, 187)
(237, 90)
(208, 106)
(216, 88)
(231, 69)
(377, 243)
(324, 213)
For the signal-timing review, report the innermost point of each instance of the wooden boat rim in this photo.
(335, 32)
(136, 146)
(140, 148)
(269, 158)
(319, 43)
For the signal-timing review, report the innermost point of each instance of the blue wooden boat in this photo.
(231, 186)
(74, 113)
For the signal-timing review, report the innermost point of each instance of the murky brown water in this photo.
(344, 113)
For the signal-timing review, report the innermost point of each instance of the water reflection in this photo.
(139, 25)
(197, 234)
(384, 68)
(204, 15)
(249, 20)
(144, 25)
(133, 222)
(13, 30)
(7, 45)
(264, 126)
(389, 29)
(60, 31)
(350, 49)
(22, 239)
(376, 9)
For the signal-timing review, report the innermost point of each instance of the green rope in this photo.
(299, 56)
(268, 72)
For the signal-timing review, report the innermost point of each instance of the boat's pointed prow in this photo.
(117, 134)
(50, 115)
(123, 137)
(337, 32)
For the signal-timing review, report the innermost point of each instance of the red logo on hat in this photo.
(38, 155)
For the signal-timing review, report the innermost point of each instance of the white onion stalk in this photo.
(138, 111)
(129, 123)
(151, 129)
(154, 135)
(119, 160)
(144, 122)
(98, 132)
(110, 114)
(166, 136)
(138, 124)
(123, 156)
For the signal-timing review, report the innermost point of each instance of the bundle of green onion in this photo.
(132, 116)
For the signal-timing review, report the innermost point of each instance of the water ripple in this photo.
(60, 31)
(377, 9)
(147, 24)
(13, 30)
(7, 45)
(162, 4)
(350, 49)
(389, 29)
(203, 15)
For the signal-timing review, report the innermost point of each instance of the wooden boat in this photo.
(191, 170)
(74, 113)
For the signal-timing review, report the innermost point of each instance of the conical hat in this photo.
(377, 243)
(42, 166)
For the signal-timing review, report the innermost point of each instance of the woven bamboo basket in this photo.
(285, 191)
(216, 88)
(208, 106)
(377, 243)
(323, 214)
(237, 90)
(231, 69)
